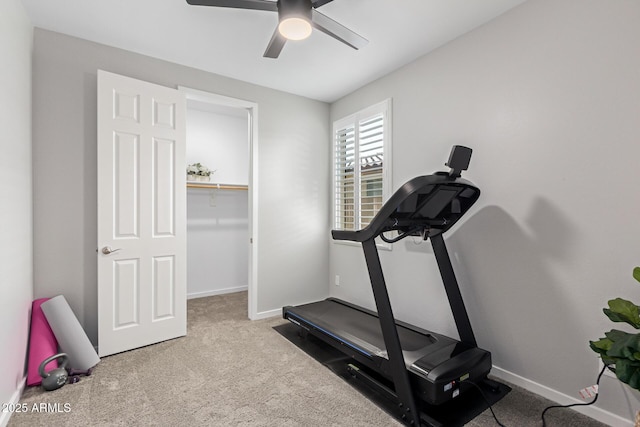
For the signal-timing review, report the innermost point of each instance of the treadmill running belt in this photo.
(361, 329)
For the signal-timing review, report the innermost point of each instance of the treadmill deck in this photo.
(434, 357)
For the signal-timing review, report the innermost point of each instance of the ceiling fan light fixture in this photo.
(294, 19)
(295, 28)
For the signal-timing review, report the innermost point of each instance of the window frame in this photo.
(354, 120)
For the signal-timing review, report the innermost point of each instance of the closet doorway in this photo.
(221, 212)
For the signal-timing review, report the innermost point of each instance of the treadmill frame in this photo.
(430, 227)
(402, 382)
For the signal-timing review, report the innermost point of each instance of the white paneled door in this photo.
(141, 214)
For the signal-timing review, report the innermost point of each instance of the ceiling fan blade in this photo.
(337, 31)
(275, 45)
(238, 4)
(316, 4)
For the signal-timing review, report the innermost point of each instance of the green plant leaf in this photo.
(624, 346)
(601, 346)
(628, 372)
(616, 334)
(621, 310)
(621, 350)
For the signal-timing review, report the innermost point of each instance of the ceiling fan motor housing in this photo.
(294, 9)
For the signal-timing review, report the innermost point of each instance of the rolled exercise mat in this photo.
(70, 335)
(42, 343)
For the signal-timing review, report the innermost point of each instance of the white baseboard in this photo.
(15, 398)
(594, 412)
(258, 316)
(216, 292)
(267, 314)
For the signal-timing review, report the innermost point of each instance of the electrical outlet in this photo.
(337, 280)
(607, 372)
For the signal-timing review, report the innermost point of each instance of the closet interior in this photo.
(217, 209)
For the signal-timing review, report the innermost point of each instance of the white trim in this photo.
(267, 314)
(252, 110)
(223, 291)
(381, 245)
(253, 210)
(214, 98)
(15, 399)
(594, 412)
(384, 107)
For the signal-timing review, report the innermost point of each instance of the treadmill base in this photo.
(456, 412)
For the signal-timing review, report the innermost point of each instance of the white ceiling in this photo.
(231, 42)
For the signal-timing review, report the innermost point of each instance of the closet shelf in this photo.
(214, 186)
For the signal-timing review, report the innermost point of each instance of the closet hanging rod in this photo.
(214, 186)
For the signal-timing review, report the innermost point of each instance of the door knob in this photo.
(107, 250)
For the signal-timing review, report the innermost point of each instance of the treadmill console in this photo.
(424, 206)
(459, 160)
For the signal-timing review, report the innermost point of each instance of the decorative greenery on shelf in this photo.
(198, 169)
(620, 350)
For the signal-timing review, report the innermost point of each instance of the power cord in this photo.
(575, 404)
(544, 424)
(486, 401)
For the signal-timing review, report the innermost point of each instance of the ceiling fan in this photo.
(296, 20)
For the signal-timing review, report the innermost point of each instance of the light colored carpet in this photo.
(229, 371)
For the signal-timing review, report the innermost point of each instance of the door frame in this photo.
(252, 111)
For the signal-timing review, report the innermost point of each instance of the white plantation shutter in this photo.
(345, 151)
(371, 154)
(361, 165)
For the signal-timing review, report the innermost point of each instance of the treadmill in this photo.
(422, 366)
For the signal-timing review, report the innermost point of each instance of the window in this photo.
(362, 161)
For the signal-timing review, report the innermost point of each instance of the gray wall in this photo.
(16, 241)
(292, 173)
(548, 96)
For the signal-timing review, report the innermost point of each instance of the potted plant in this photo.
(198, 172)
(619, 350)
